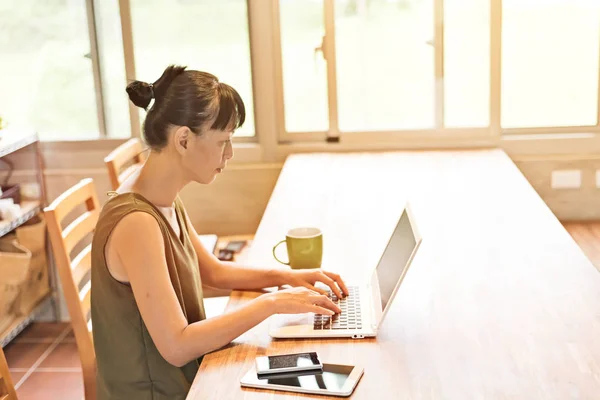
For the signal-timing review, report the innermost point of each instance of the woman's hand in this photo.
(300, 300)
(309, 277)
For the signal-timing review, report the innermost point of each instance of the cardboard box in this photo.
(15, 261)
(32, 236)
(36, 285)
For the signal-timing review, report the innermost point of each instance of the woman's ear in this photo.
(181, 139)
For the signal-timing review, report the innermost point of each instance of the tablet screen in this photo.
(332, 378)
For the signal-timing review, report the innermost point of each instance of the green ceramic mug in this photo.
(304, 247)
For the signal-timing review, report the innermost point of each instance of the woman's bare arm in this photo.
(139, 246)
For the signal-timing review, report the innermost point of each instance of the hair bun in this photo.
(140, 93)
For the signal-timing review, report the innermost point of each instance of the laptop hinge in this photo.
(374, 299)
(373, 318)
(374, 325)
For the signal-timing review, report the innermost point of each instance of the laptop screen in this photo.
(395, 258)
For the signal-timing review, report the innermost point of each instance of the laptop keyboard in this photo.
(349, 318)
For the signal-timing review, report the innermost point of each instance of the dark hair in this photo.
(186, 98)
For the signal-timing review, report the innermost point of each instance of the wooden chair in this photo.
(75, 273)
(7, 389)
(129, 152)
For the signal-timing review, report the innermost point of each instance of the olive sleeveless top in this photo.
(129, 364)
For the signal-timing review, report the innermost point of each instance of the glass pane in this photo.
(466, 63)
(304, 70)
(207, 36)
(46, 76)
(550, 62)
(385, 68)
(112, 64)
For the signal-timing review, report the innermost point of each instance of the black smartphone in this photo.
(225, 255)
(285, 363)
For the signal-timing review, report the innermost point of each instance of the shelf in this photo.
(11, 141)
(22, 322)
(28, 210)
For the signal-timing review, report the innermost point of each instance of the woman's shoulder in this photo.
(123, 210)
(119, 205)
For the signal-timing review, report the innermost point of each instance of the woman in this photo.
(148, 265)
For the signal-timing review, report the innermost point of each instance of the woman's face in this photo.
(206, 155)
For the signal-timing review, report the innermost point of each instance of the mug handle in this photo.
(274, 255)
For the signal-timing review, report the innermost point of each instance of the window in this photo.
(392, 71)
(466, 63)
(359, 72)
(207, 36)
(550, 63)
(303, 68)
(46, 76)
(112, 69)
(385, 66)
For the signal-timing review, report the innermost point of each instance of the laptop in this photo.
(364, 309)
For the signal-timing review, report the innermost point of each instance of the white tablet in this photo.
(334, 380)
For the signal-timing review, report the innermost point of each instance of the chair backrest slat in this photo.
(75, 273)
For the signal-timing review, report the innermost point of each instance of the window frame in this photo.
(273, 143)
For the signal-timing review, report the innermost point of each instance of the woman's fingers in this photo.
(320, 310)
(324, 301)
(331, 283)
(338, 280)
(315, 289)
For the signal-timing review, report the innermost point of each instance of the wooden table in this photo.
(499, 302)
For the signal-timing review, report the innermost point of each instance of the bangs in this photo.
(231, 110)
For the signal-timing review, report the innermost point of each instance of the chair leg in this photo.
(89, 385)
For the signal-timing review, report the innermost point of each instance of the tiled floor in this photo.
(44, 363)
